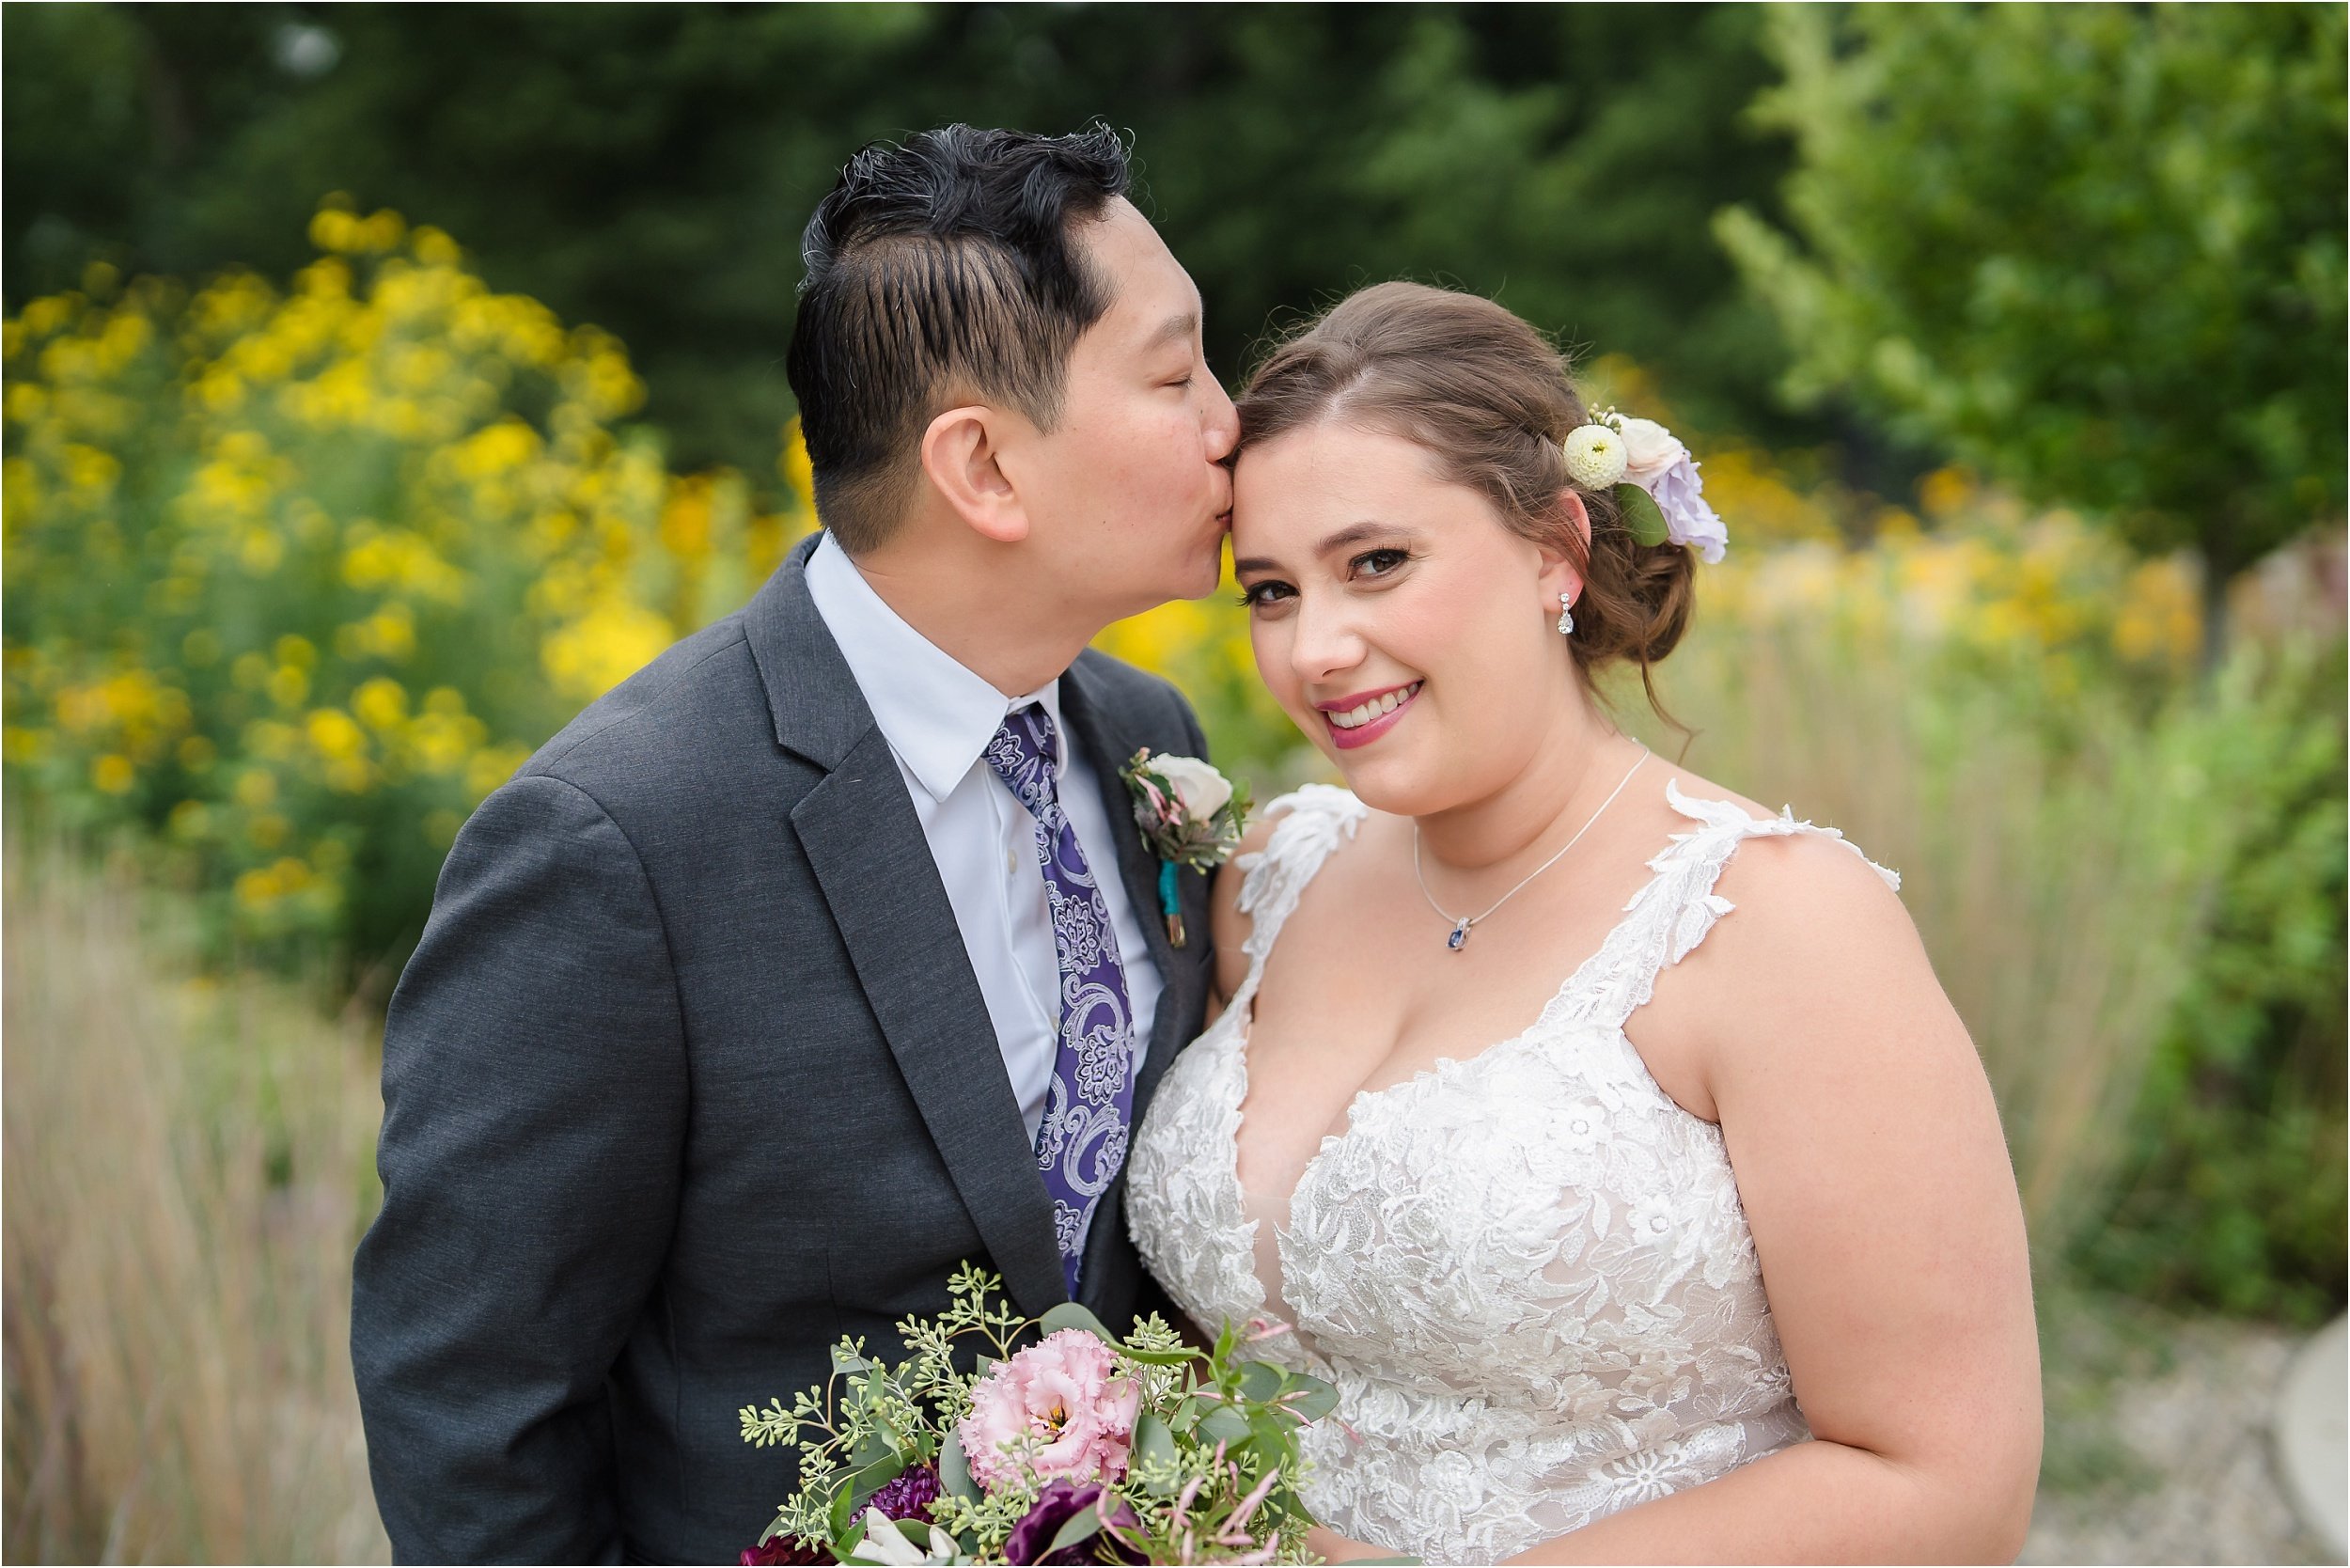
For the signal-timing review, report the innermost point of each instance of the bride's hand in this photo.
(1329, 1545)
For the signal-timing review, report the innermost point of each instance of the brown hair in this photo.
(1489, 399)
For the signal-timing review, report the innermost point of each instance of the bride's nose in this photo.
(1324, 641)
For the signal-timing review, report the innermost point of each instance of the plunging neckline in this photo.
(1445, 1067)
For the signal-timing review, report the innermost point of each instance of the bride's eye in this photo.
(1255, 596)
(1378, 563)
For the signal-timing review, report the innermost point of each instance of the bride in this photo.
(1604, 1138)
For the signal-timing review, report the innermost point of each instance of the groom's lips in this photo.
(1347, 740)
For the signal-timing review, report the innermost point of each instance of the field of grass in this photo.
(188, 1167)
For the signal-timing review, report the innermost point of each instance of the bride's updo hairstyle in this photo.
(1490, 401)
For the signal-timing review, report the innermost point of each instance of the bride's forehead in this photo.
(1301, 485)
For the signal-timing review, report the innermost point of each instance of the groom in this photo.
(739, 1021)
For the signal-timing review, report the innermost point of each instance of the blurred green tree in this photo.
(2121, 288)
(648, 168)
(2231, 1191)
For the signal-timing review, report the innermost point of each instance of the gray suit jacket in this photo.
(688, 1077)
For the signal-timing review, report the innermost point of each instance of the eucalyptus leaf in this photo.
(1319, 1399)
(1223, 1424)
(1069, 1315)
(1154, 1443)
(1640, 514)
(954, 1469)
(847, 1362)
(1259, 1380)
(842, 1525)
(1085, 1526)
(871, 1449)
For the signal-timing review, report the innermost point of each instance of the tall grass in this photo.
(186, 1172)
(2061, 873)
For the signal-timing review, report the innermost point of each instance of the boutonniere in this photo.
(1190, 815)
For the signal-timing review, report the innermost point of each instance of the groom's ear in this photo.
(963, 458)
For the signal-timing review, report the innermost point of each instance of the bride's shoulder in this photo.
(1315, 808)
(1803, 890)
(1287, 837)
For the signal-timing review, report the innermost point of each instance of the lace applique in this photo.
(1527, 1271)
(1188, 1215)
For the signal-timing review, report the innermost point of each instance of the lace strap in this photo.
(1315, 819)
(1671, 913)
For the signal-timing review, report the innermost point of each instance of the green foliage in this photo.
(294, 578)
(2095, 250)
(648, 168)
(2232, 1192)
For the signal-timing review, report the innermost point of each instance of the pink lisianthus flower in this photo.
(1060, 1408)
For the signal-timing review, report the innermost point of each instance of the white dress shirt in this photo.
(938, 717)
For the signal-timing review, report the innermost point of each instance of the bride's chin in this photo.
(1387, 784)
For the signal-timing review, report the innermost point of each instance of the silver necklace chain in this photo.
(1461, 923)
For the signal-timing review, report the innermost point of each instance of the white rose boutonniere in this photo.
(1189, 814)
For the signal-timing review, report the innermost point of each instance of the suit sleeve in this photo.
(534, 1116)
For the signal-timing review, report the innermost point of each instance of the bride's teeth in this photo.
(1355, 718)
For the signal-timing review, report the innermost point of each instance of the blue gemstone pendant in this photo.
(1459, 936)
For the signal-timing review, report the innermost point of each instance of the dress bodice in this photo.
(1526, 1270)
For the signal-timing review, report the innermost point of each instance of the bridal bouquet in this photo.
(1079, 1448)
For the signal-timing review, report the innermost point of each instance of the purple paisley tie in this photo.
(1082, 1142)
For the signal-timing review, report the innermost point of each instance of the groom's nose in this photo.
(1221, 421)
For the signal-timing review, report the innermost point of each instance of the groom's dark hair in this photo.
(941, 268)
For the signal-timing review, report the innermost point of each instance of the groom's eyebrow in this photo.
(1172, 329)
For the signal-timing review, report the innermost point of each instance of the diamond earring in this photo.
(1566, 616)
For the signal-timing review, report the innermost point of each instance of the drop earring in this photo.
(1566, 616)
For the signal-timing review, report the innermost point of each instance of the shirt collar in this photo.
(936, 714)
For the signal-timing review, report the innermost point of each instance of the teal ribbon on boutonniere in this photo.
(1171, 902)
(1190, 815)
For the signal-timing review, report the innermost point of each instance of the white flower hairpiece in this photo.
(1654, 479)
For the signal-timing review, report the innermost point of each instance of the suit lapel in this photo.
(864, 845)
(1109, 748)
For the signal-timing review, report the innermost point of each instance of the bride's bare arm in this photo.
(1877, 1183)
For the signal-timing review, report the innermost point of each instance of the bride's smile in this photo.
(1362, 718)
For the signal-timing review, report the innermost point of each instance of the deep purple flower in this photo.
(1059, 1503)
(783, 1549)
(909, 1496)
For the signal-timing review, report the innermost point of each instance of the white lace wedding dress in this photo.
(1527, 1271)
